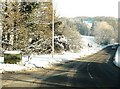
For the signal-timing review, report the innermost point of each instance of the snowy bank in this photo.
(12, 52)
(10, 67)
(117, 57)
(47, 60)
(89, 46)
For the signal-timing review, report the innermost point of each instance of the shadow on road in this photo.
(97, 71)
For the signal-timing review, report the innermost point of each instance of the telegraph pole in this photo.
(1, 11)
(118, 31)
(52, 28)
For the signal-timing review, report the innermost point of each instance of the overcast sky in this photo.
(73, 8)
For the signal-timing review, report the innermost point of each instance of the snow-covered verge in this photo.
(10, 67)
(89, 46)
(117, 57)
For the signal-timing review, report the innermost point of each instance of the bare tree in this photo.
(104, 33)
(72, 35)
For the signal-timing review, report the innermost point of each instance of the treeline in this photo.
(105, 29)
(24, 24)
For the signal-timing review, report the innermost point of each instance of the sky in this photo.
(73, 8)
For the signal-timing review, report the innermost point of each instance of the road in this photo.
(96, 70)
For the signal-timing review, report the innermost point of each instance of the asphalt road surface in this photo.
(96, 71)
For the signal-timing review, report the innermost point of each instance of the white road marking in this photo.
(89, 72)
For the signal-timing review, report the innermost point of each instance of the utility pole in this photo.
(119, 22)
(52, 28)
(0, 25)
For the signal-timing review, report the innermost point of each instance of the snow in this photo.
(1, 60)
(117, 57)
(47, 60)
(89, 45)
(11, 67)
(12, 52)
(88, 23)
